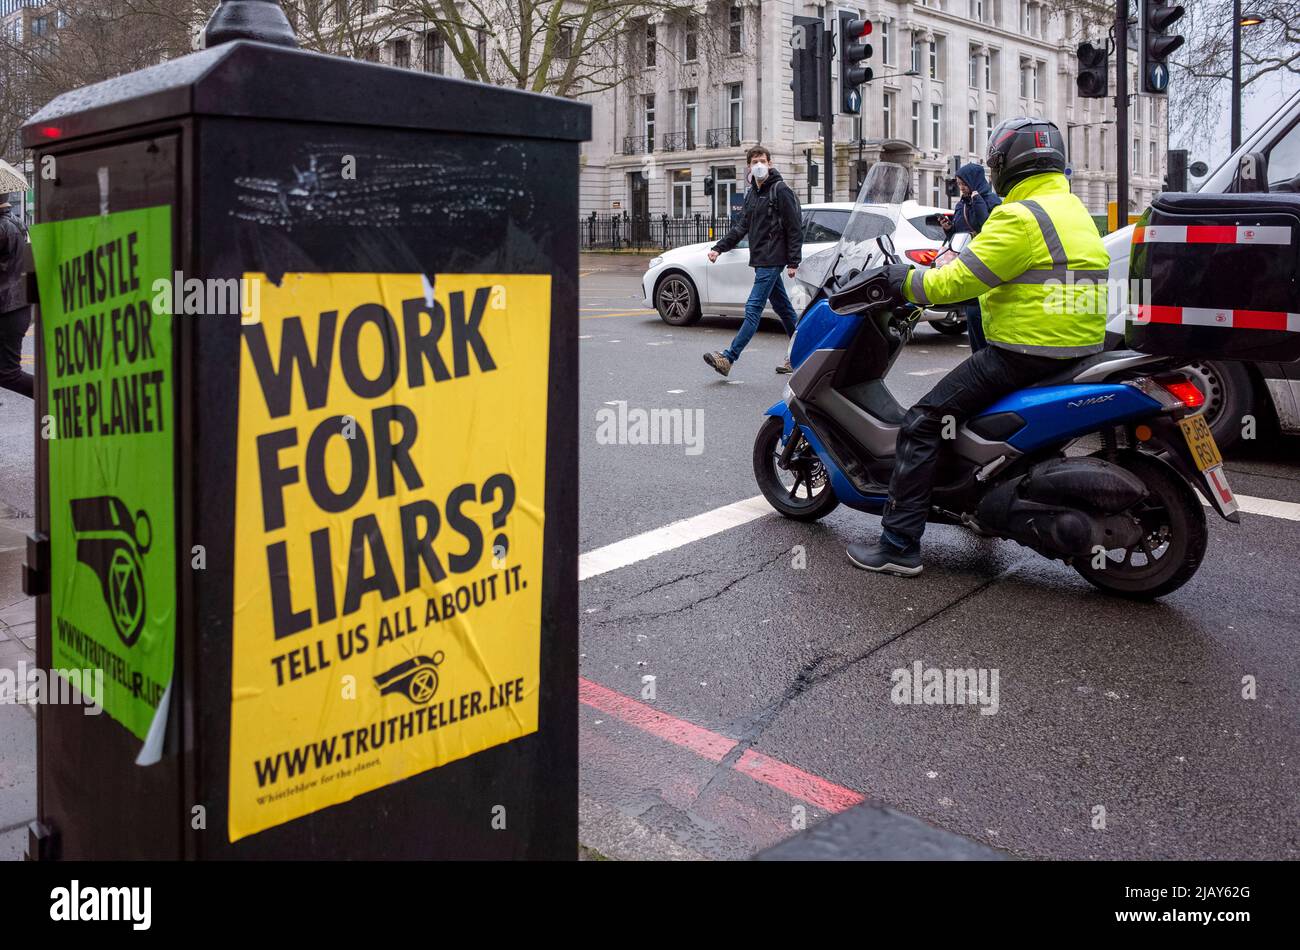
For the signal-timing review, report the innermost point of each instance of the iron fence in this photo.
(648, 232)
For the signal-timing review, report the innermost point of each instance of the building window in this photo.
(691, 100)
(1152, 165)
(40, 26)
(916, 53)
(1136, 155)
(402, 53)
(564, 43)
(990, 120)
(1155, 109)
(916, 123)
(972, 132)
(977, 10)
(735, 110)
(434, 52)
(682, 193)
(935, 189)
(934, 59)
(936, 122)
(691, 39)
(1037, 78)
(1025, 69)
(724, 186)
(887, 115)
(649, 123)
(650, 44)
(886, 43)
(736, 22)
(1087, 146)
(973, 73)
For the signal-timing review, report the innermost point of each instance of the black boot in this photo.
(886, 558)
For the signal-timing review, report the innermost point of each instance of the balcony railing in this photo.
(679, 141)
(638, 144)
(722, 138)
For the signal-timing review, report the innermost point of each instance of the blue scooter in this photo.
(1125, 516)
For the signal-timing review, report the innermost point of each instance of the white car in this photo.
(683, 286)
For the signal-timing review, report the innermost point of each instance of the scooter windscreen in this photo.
(875, 214)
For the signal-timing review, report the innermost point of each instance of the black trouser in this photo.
(981, 380)
(13, 327)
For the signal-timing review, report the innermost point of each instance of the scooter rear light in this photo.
(1184, 390)
(925, 257)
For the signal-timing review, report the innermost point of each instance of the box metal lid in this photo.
(262, 81)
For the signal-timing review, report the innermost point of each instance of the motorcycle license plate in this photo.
(1205, 453)
(1200, 440)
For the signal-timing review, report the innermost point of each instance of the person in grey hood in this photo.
(772, 219)
(978, 199)
(15, 313)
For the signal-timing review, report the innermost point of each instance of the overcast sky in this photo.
(1262, 98)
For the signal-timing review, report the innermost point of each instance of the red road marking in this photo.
(797, 783)
(786, 778)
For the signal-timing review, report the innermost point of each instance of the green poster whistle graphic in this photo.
(113, 545)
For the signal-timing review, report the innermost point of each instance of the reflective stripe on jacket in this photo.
(1039, 268)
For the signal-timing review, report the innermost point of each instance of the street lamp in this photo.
(1239, 20)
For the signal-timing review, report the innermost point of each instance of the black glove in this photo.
(896, 274)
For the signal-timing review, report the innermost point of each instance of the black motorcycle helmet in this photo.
(1022, 147)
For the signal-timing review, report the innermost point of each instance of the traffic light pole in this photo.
(1121, 113)
(825, 55)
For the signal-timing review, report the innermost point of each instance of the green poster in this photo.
(111, 434)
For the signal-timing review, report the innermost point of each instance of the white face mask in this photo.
(759, 171)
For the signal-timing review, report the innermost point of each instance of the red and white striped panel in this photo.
(1211, 234)
(1201, 317)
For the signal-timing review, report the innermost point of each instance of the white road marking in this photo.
(658, 541)
(676, 392)
(1268, 507)
(678, 534)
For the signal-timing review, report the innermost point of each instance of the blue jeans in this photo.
(767, 286)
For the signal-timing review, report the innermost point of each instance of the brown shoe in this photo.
(785, 369)
(718, 362)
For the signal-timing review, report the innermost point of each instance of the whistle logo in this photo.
(113, 545)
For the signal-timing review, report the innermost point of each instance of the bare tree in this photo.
(353, 28)
(562, 47)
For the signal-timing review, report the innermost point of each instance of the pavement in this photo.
(736, 688)
(17, 617)
(736, 670)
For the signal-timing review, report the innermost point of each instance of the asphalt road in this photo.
(732, 691)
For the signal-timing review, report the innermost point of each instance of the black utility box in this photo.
(307, 351)
(1217, 276)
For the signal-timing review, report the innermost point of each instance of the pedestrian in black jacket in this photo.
(15, 314)
(773, 222)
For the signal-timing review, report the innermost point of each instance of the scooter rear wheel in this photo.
(1173, 544)
(803, 492)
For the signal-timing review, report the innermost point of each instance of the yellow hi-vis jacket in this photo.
(1039, 269)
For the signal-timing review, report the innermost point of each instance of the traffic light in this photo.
(806, 42)
(1093, 81)
(1157, 16)
(854, 49)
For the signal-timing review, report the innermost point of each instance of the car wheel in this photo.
(676, 300)
(950, 327)
(1229, 397)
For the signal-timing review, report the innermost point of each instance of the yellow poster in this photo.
(388, 531)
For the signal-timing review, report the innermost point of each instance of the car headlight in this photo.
(654, 262)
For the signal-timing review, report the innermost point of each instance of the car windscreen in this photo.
(825, 227)
(929, 229)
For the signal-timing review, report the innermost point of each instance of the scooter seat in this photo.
(1070, 369)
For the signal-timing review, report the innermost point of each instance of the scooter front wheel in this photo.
(803, 491)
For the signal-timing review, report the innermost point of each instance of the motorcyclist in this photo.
(1040, 268)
